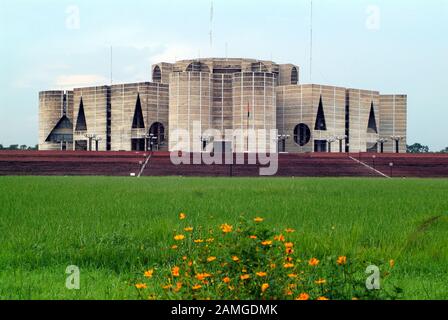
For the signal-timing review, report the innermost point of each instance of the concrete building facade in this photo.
(206, 98)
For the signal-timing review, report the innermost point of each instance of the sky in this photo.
(395, 46)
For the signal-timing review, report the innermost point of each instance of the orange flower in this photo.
(264, 287)
(174, 247)
(182, 216)
(211, 259)
(288, 265)
(289, 293)
(198, 241)
(253, 237)
(245, 277)
(289, 251)
(267, 243)
(184, 258)
(342, 260)
(313, 262)
(226, 228)
(226, 280)
(261, 274)
(320, 281)
(148, 274)
(289, 230)
(303, 297)
(175, 271)
(292, 275)
(322, 298)
(166, 287)
(258, 219)
(196, 287)
(188, 229)
(202, 276)
(289, 259)
(289, 245)
(273, 265)
(178, 286)
(280, 238)
(179, 237)
(392, 263)
(141, 286)
(235, 258)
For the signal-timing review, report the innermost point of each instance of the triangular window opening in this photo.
(62, 132)
(372, 128)
(81, 124)
(320, 120)
(138, 122)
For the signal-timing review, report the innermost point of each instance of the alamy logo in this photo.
(73, 280)
(373, 281)
(212, 147)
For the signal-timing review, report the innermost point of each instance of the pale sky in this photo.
(395, 46)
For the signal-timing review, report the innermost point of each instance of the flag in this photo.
(248, 111)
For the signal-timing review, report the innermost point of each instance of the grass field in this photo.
(114, 228)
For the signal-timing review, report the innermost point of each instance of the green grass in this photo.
(114, 228)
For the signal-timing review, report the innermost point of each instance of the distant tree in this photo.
(417, 148)
(14, 147)
(23, 147)
(444, 150)
(1, 147)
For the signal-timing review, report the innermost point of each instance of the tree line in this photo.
(18, 147)
(419, 148)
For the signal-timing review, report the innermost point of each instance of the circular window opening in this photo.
(302, 134)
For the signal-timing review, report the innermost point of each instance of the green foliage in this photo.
(115, 228)
(417, 148)
(250, 261)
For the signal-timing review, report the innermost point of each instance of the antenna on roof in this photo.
(111, 65)
(311, 42)
(211, 24)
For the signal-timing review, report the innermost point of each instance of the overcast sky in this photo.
(395, 46)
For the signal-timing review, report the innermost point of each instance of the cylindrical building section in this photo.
(222, 107)
(190, 110)
(53, 106)
(254, 109)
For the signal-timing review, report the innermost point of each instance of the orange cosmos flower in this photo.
(166, 287)
(226, 228)
(320, 281)
(196, 287)
(179, 237)
(182, 216)
(141, 286)
(235, 258)
(264, 287)
(292, 275)
(342, 260)
(253, 237)
(202, 276)
(178, 286)
(148, 274)
(289, 245)
(245, 277)
(261, 274)
(258, 219)
(289, 230)
(313, 262)
(188, 229)
(288, 265)
(211, 259)
(273, 265)
(226, 280)
(174, 247)
(280, 238)
(289, 251)
(175, 271)
(392, 263)
(322, 298)
(267, 243)
(198, 241)
(303, 297)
